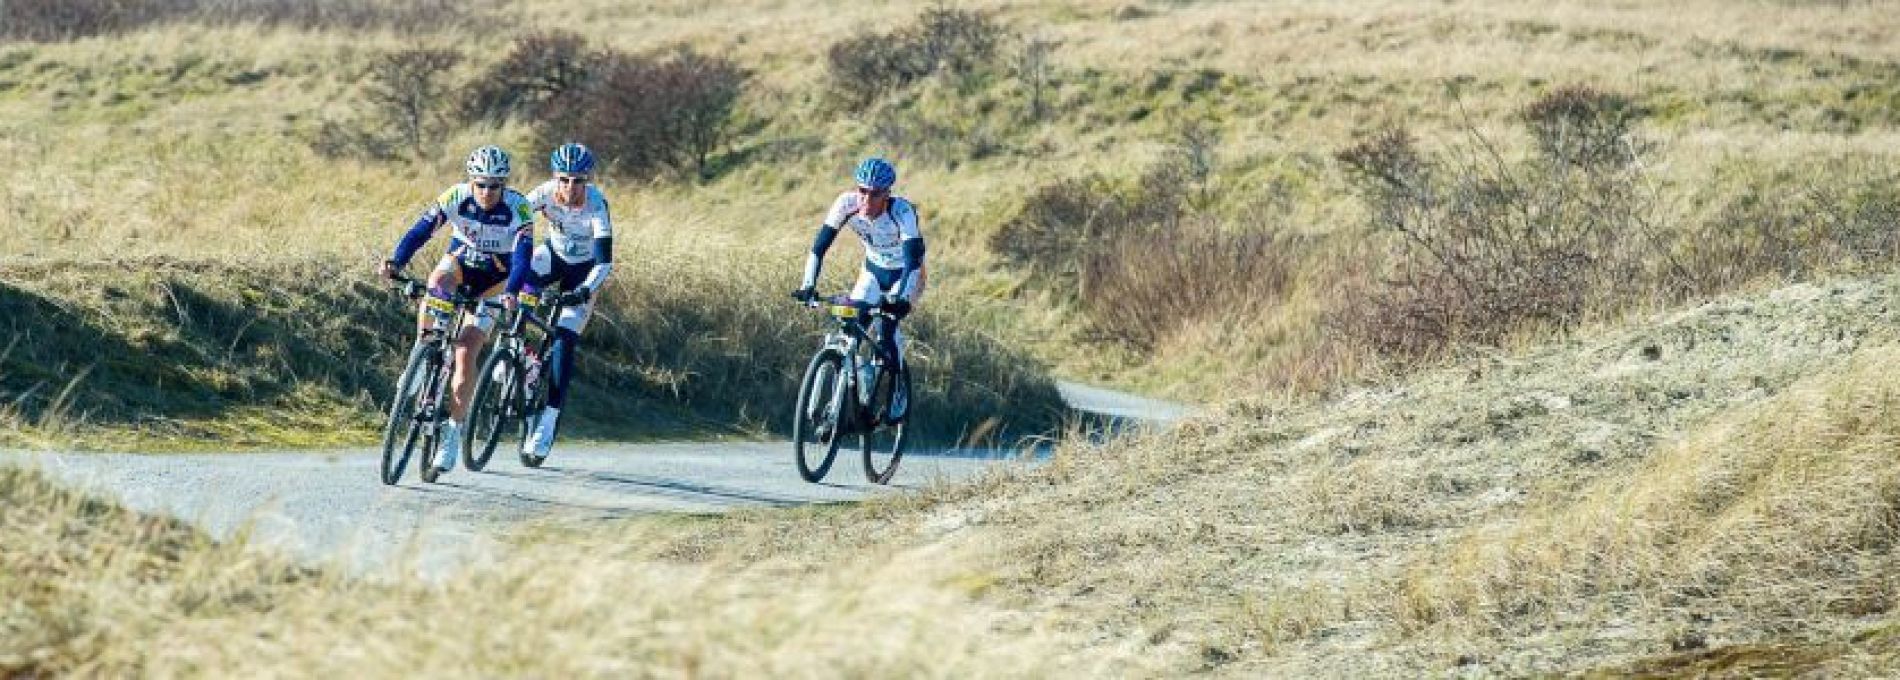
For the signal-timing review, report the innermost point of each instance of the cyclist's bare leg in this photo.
(468, 349)
(440, 278)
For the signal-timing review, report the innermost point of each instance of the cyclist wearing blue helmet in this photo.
(578, 256)
(893, 254)
(491, 236)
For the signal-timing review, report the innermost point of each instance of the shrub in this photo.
(1792, 226)
(1137, 260)
(1484, 248)
(647, 114)
(405, 109)
(943, 39)
(1583, 126)
(540, 67)
(1056, 229)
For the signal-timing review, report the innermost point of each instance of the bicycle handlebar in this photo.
(817, 301)
(415, 289)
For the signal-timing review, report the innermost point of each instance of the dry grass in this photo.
(1284, 85)
(94, 590)
(1652, 497)
(1703, 488)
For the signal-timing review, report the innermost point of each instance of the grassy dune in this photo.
(1679, 485)
(1657, 498)
(157, 142)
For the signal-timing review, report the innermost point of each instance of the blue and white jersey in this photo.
(478, 231)
(883, 237)
(574, 229)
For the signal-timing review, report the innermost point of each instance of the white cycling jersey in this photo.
(883, 237)
(573, 229)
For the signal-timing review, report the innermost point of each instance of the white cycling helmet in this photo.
(488, 161)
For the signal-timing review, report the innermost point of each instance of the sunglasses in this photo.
(489, 185)
(868, 191)
(571, 180)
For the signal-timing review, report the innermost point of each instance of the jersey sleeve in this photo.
(447, 200)
(603, 215)
(841, 209)
(524, 210)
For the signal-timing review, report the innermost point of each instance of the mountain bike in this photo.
(420, 403)
(846, 391)
(513, 385)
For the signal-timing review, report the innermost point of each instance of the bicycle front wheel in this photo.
(883, 445)
(403, 429)
(814, 418)
(495, 412)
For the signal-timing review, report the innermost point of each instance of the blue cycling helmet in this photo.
(876, 173)
(573, 159)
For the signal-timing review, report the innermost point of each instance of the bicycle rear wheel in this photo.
(883, 445)
(494, 413)
(815, 419)
(403, 428)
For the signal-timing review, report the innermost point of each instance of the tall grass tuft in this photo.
(306, 353)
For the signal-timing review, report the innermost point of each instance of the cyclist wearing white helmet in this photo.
(491, 239)
(578, 255)
(892, 276)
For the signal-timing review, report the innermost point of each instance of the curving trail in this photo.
(328, 506)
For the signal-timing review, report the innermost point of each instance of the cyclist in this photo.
(491, 239)
(578, 255)
(893, 256)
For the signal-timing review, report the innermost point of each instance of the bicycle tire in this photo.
(816, 381)
(880, 463)
(489, 416)
(432, 433)
(402, 417)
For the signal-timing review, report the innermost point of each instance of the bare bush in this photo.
(943, 39)
(406, 109)
(1585, 126)
(1793, 227)
(647, 114)
(1484, 248)
(540, 67)
(1137, 259)
(1057, 228)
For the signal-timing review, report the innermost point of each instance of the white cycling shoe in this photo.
(543, 438)
(451, 446)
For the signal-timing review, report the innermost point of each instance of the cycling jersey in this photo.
(883, 237)
(497, 239)
(575, 229)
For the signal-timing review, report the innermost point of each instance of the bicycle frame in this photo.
(846, 337)
(430, 404)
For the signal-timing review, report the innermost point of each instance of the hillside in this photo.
(1532, 339)
(1241, 256)
(1705, 491)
